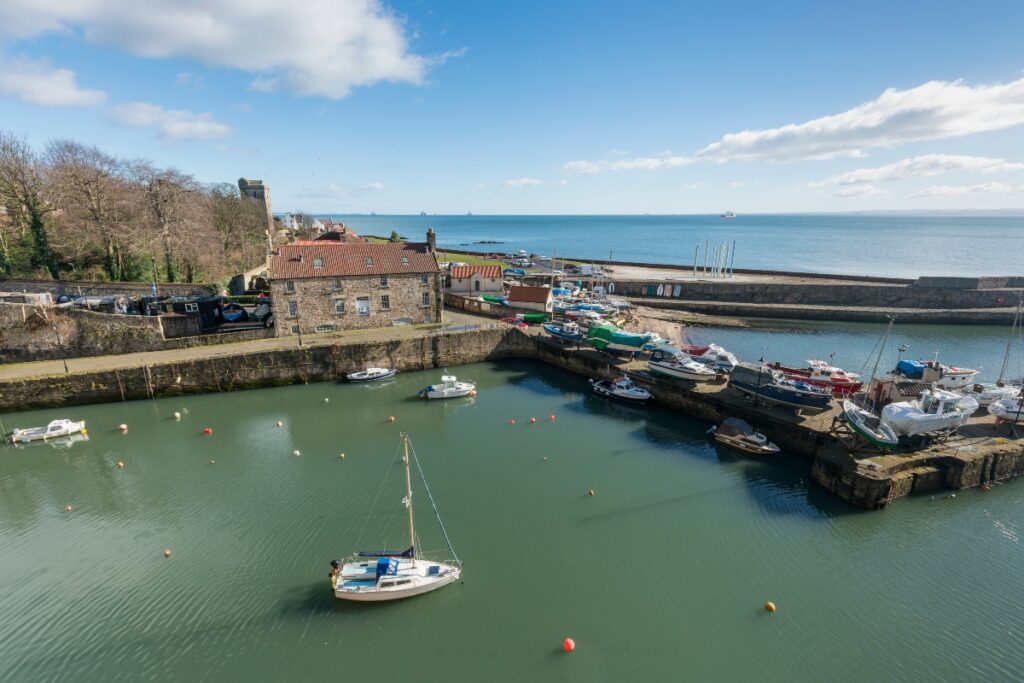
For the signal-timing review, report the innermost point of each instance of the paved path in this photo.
(454, 321)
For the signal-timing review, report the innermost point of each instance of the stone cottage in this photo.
(475, 280)
(327, 286)
(533, 298)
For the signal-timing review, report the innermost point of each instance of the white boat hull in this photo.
(449, 392)
(680, 371)
(1007, 410)
(956, 381)
(51, 431)
(371, 375)
(411, 580)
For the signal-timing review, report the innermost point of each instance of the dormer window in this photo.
(405, 260)
(318, 263)
(369, 262)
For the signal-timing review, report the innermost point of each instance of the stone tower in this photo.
(255, 189)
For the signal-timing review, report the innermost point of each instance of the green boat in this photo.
(534, 318)
(607, 337)
(869, 426)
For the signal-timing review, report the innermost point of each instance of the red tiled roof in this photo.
(341, 259)
(533, 295)
(483, 271)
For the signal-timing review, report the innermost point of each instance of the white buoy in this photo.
(177, 415)
(296, 453)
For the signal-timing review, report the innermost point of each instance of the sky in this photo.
(596, 107)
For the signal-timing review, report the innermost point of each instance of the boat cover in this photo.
(493, 299)
(408, 552)
(911, 369)
(603, 335)
(733, 426)
(535, 317)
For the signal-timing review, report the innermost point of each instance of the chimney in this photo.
(431, 240)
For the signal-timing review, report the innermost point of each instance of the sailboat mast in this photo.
(1009, 344)
(408, 497)
(878, 359)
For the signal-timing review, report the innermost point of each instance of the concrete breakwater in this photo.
(979, 457)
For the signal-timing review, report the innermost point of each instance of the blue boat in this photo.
(569, 331)
(770, 386)
(515, 271)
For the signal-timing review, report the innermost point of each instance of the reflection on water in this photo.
(662, 573)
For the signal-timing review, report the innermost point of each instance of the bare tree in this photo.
(174, 217)
(22, 196)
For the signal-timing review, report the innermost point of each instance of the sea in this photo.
(897, 245)
(661, 575)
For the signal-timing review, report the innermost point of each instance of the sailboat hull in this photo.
(403, 585)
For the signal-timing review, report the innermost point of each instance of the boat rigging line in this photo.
(437, 514)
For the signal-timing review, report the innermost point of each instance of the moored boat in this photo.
(869, 426)
(738, 434)
(568, 331)
(770, 386)
(54, 430)
(680, 366)
(820, 374)
(936, 411)
(384, 576)
(450, 387)
(621, 389)
(371, 374)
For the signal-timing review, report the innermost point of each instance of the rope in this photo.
(373, 505)
(432, 503)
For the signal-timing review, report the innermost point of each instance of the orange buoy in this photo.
(167, 552)
(123, 427)
(68, 508)
(568, 644)
(551, 418)
(391, 418)
(533, 420)
(770, 606)
(120, 465)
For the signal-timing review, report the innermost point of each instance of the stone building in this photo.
(475, 280)
(255, 189)
(533, 298)
(326, 286)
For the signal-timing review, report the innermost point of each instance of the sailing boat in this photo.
(866, 424)
(985, 393)
(379, 576)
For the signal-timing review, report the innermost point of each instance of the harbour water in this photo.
(662, 575)
(903, 245)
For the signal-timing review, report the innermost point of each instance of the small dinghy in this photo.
(1008, 410)
(371, 374)
(54, 430)
(869, 426)
(621, 389)
(450, 387)
(735, 433)
(383, 576)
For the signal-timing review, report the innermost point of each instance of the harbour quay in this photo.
(979, 455)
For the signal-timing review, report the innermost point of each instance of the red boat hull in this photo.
(844, 388)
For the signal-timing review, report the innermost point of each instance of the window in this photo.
(336, 284)
(476, 285)
(289, 286)
(339, 306)
(293, 309)
(369, 262)
(325, 328)
(191, 308)
(318, 263)
(363, 306)
(385, 303)
(426, 298)
(405, 260)
(295, 329)
(425, 280)
(383, 280)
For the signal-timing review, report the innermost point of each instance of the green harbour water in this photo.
(661, 575)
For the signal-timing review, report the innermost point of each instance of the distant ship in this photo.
(728, 214)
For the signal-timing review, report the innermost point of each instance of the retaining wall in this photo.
(97, 288)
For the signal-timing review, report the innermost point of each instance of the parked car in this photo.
(263, 313)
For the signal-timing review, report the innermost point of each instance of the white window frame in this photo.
(289, 286)
(318, 263)
(327, 327)
(385, 302)
(192, 308)
(383, 280)
(336, 284)
(339, 307)
(363, 312)
(425, 301)
(293, 309)
(425, 279)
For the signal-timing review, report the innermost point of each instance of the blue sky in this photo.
(538, 107)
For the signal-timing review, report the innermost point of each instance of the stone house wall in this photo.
(316, 302)
(467, 285)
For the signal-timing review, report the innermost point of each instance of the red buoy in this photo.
(551, 418)
(207, 430)
(533, 420)
(569, 644)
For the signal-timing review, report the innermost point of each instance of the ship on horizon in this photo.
(728, 214)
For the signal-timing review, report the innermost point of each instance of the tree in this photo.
(395, 237)
(22, 196)
(173, 222)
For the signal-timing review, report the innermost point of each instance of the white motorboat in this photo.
(383, 576)
(736, 433)
(54, 430)
(933, 372)
(450, 387)
(713, 355)
(936, 411)
(986, 393)
(1008, 410)
(955, 378)
(621, 389)
(371, 374)
(680, 366)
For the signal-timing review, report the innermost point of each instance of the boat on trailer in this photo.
(820, 374)
(936, 411)
(569, 331)
(54, 430)
(621, 389)
(371, 374)
(371, 576)
(680, 366)
(1008, 410)
(738, 434)
(869, 426)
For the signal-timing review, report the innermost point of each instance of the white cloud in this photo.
(172, 124)
(961, 190)
(922, 166)
(695, 185)
(36, 82)
(375, 186)
(523, 182)
(738, 184)
(860, 191)
(584, 167)
(313, 47)
(934, 110)
(187, 79)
